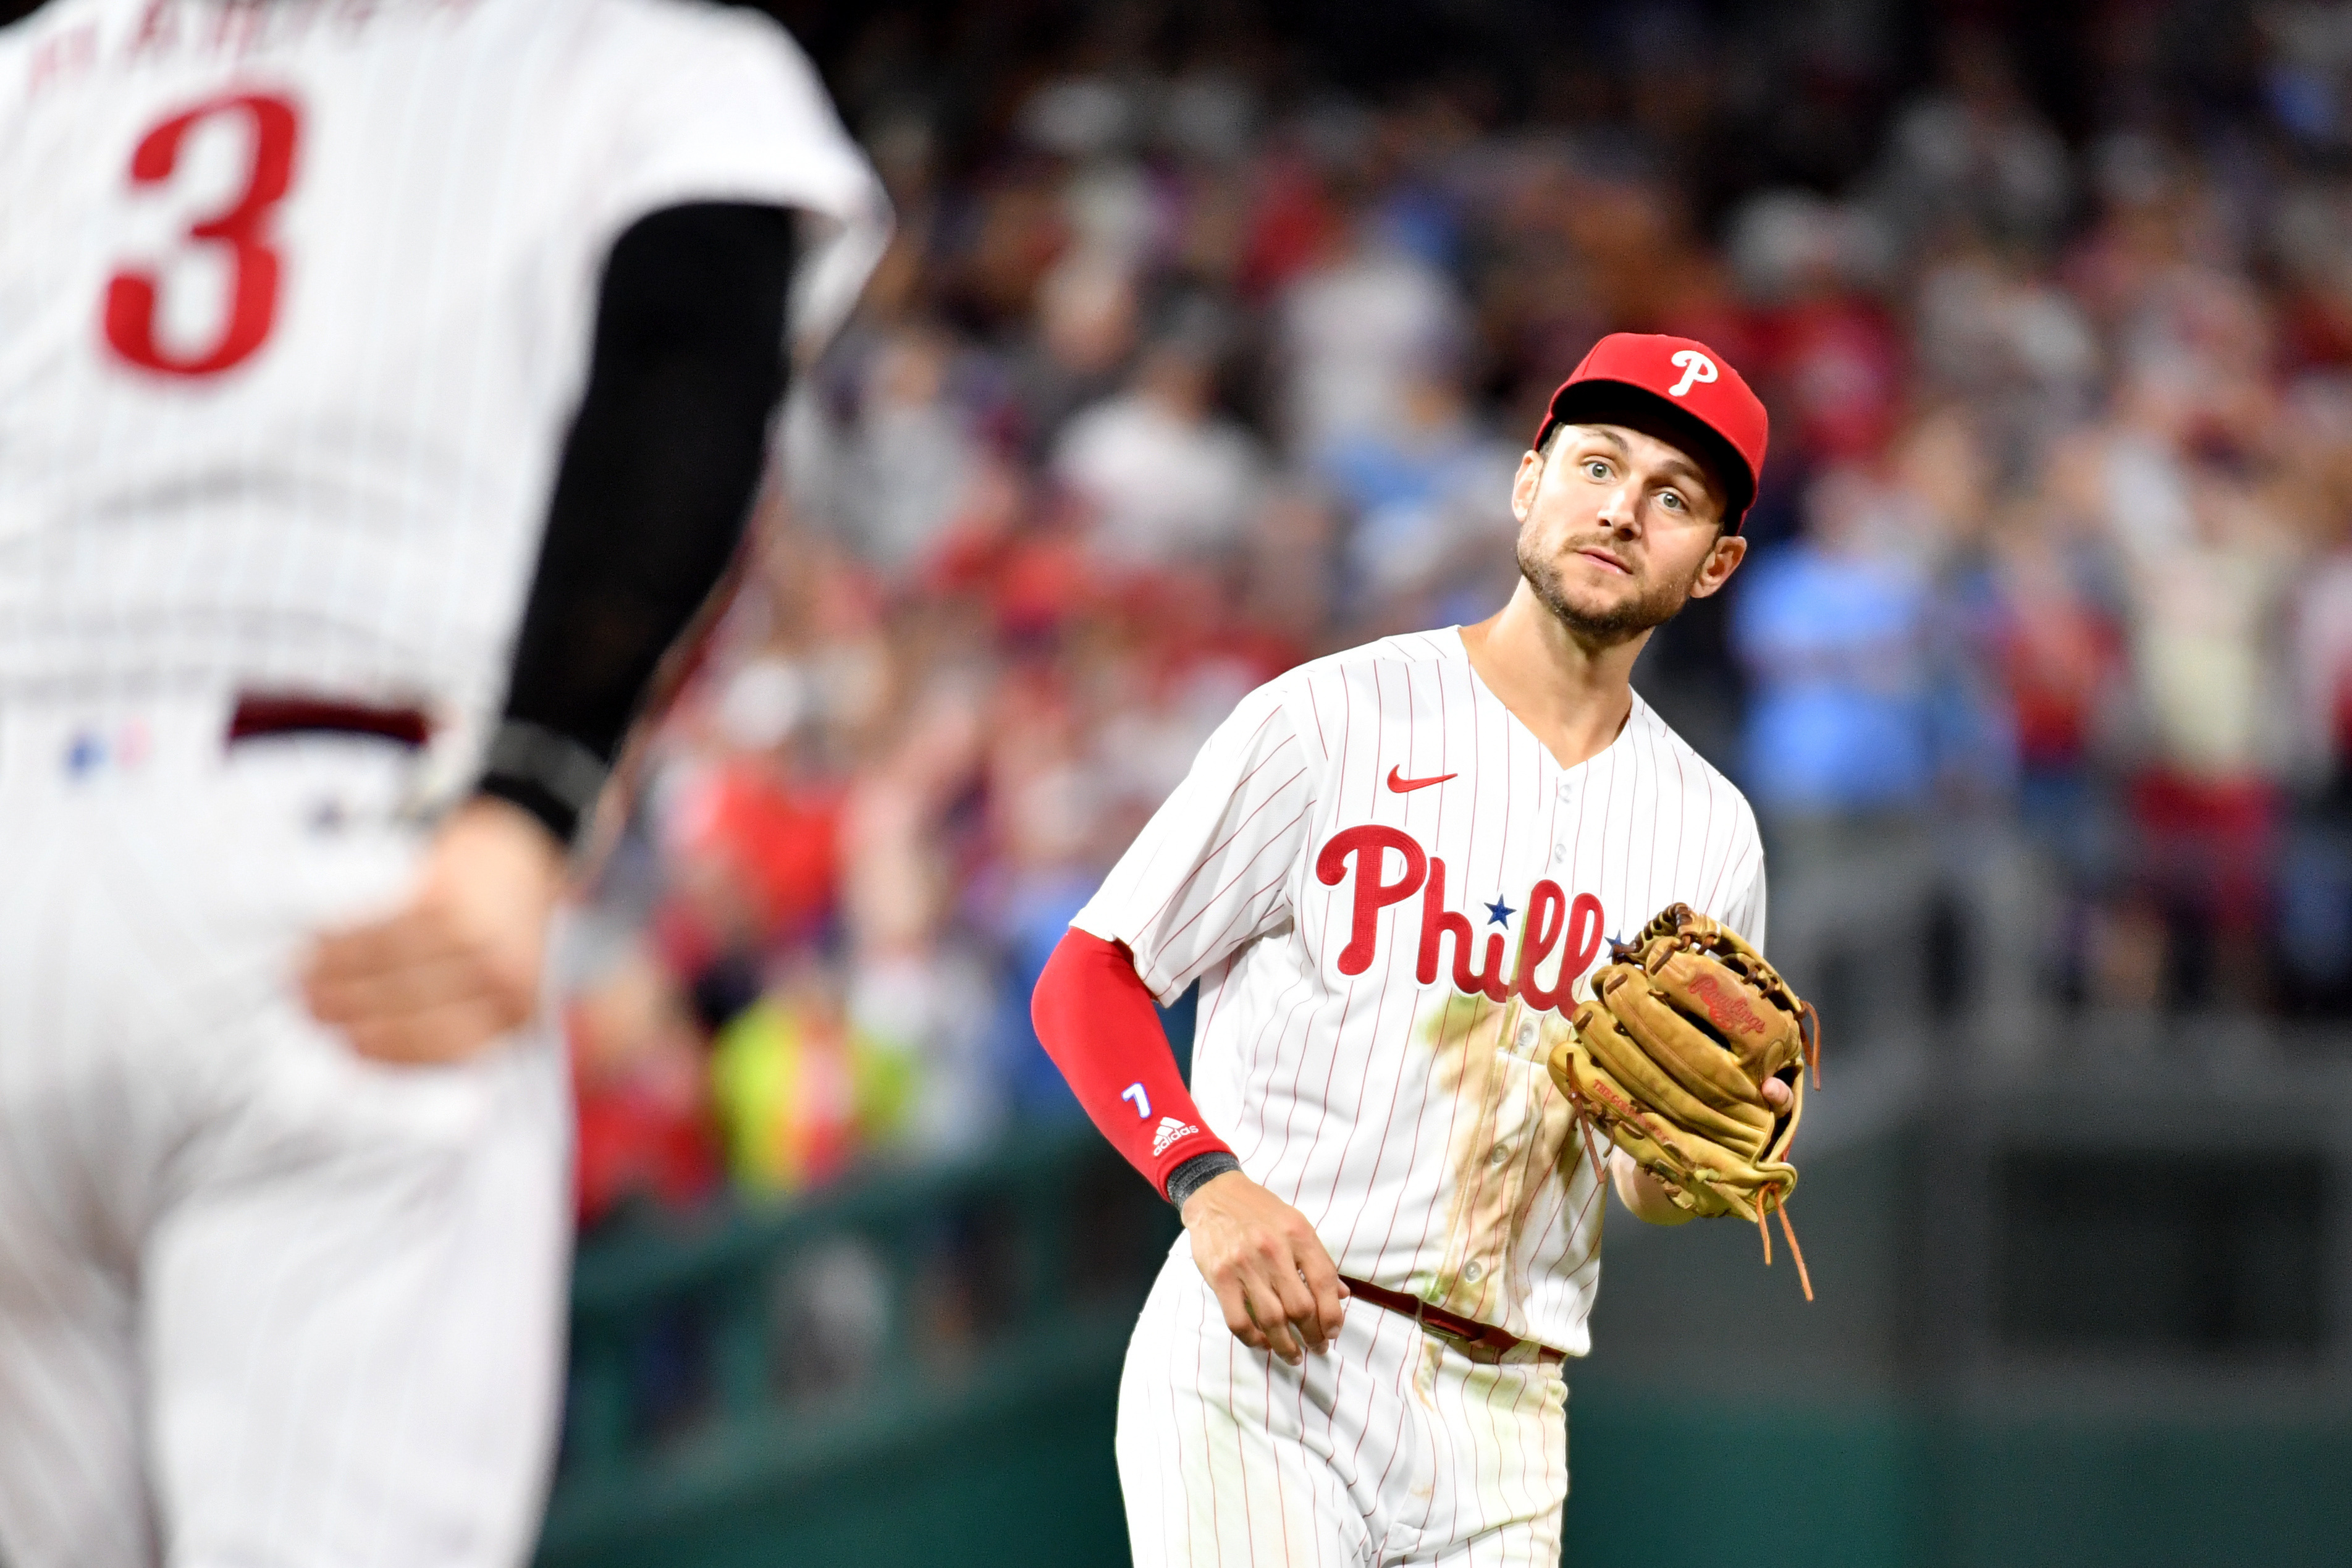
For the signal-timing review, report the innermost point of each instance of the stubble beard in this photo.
(1622, 622)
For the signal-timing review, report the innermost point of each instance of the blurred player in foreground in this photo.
(1391, 871)
(382, 389)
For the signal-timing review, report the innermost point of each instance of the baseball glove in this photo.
(1686, 1022)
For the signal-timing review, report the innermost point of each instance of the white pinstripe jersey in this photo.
(1391, 893)
(296, 300)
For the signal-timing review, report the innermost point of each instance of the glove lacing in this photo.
(1769, 1202)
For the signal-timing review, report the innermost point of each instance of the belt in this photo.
(1437, 1320)
(258, 715)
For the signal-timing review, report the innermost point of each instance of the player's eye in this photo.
(1594, 468)
(1671, 500)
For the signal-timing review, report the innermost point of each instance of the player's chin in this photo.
(1608, 617)
(1604, 603)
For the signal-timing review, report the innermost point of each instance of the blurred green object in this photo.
(922, 1366)
(1890, 1487)
(2054, 1327)
(907, 1366)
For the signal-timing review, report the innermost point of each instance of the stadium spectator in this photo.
(1167, 478)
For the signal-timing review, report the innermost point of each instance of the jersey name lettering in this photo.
(227, 29)
(1551, 916)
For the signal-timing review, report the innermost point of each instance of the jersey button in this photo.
(1502, 1153)
(1475, 1272)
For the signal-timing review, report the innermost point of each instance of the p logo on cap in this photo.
(1695, 365)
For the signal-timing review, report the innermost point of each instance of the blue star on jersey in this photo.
(1499, 913)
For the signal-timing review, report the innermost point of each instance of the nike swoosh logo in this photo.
(1406, 786)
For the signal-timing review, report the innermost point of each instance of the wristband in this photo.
(549, 776)
(1197, 1173)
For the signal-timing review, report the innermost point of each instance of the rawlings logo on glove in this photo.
(1668, 1060)
(1725, 1012)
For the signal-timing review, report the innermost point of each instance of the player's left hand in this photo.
(445, 978)
(1646, 1197)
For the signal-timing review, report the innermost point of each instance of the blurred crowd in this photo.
(1199, 350)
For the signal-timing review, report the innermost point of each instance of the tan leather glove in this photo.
(1686, 1022)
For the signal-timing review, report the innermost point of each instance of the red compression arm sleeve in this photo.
(1097, 1022)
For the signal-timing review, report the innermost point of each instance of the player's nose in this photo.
(1620, 512)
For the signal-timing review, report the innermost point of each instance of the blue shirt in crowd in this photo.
(1834, 643)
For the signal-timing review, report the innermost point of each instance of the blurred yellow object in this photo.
(799, 1094)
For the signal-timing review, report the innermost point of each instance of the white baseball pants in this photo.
(1396, 1446)
(262, 1304)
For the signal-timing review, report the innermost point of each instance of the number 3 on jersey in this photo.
(132, 297)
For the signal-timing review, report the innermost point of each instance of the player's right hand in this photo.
(1279, 1287)
(455, 970)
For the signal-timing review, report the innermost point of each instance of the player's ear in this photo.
(1729, 550)
(1524, 487)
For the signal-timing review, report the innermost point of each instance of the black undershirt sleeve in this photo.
(657, 481)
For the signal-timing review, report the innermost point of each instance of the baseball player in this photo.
(1391, 871)
(382, 387)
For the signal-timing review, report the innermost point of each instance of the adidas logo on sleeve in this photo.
(1170, 1131)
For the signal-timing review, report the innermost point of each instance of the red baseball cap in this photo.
(1722, 422)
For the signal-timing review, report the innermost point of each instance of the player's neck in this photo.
(1571, 695)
